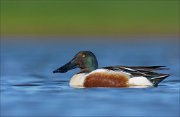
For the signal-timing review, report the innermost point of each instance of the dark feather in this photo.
(148, 68)
(146, 71)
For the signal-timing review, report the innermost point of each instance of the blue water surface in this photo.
(30, 89)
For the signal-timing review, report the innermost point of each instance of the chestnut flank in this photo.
(106, 80)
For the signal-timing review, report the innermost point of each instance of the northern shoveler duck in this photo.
(113, 76)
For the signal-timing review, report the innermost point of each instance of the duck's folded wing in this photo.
(138, 68)
(146, 71)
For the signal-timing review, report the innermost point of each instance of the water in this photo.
(29, 88)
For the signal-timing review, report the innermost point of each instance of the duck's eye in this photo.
(83, 55)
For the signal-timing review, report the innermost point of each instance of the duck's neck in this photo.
(88, 69)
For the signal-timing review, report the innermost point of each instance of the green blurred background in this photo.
(89, 17)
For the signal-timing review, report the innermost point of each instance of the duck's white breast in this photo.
(77, 80)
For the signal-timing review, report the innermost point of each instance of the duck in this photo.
(91, 76)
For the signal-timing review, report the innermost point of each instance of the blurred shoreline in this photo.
(101, 17)
(93, 38)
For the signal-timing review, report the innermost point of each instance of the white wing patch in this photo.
(139, 81)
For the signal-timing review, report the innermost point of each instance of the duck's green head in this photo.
(85, 60)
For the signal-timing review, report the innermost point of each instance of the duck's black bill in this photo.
(70, 65)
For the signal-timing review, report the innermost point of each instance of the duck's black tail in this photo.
(156, 80)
